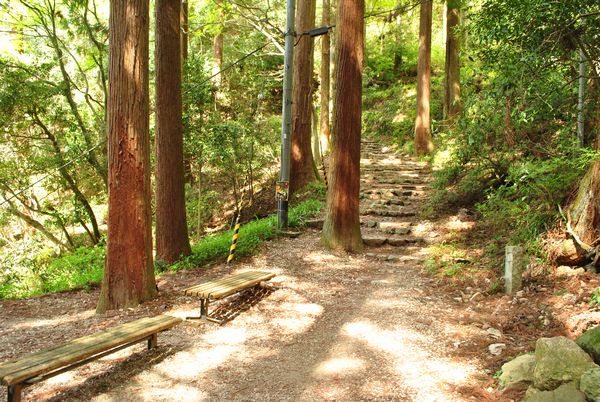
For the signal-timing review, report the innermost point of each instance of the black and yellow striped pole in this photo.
(236, 231)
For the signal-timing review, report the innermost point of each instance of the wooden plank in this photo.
(223, 287)
(18, 370)
(77, 344)
(224, 282)
(231, 280)
(78, 349)
(216, 287)
(227, 280)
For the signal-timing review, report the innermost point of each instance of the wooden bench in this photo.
(44, 364)
(220, 288)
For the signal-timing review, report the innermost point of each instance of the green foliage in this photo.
(251, 236)
(511, 152)
(446, 259)
(595, 299)
(38, 272)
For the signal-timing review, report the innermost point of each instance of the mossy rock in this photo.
(568, 392)
(559, 360)
(590, 384)
(590, 342)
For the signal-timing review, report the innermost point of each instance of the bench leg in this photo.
(14, 393)
(204, 313)
(153, 341)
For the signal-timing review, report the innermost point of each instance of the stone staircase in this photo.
(393, 190)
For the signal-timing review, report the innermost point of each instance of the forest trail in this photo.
(341, 327)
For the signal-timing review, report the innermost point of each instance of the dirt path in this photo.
(338, 327)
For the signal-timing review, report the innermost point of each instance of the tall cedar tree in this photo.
(171, 225)
(325, 79)
(129, 274)
(301, 163)
(423, 143)
(452, 68)
(342, 225)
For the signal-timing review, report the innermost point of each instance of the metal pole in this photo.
(581, 100)
(286, 125)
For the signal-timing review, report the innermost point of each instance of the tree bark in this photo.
(452, 67)
(325, 80)
(584, 218)
(172, 240)
(129, 274)
(423, 143)
(301, 172)
(341, 229)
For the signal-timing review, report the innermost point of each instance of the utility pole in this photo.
(283, 185)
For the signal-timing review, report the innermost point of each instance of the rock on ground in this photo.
(518, 373)
(590, 384)
(590, 342)
(559, 360)
(565, 393)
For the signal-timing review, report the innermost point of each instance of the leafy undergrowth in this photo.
(251, 236)
(84, 267)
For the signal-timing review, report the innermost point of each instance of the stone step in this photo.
(373, 240)
(396, 258)
(386, 187)
(395, 228)
(386, 193)
(388, 212)
(383, 202)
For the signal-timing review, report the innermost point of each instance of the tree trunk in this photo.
(341, 229)
(584, 217)
(423, 143)
(325, 80)
(301, 172)
(172, 240)
(452, 68)
(129, 274)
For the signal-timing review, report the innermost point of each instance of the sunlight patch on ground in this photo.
(227, 336)
(390, 161)
(410, 93)
(422, 228)
(61, 378)
(419, 370)
(177, 392)
(339, 366)
(188, 365)
(454, 223)
(320, 258)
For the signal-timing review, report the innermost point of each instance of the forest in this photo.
(149, 145)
